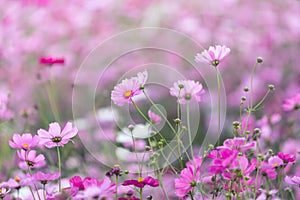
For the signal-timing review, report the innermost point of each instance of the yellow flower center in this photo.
(25, 145)
(276, 164)
(127, 94)
(0, 190)
(17, 179)
(140, 179)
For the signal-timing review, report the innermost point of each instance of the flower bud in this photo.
(259, 60)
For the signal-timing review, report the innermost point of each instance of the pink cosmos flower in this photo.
(76, 181)
(18, 182)
(156, 119)
(239, 143)
(295, 180)
(213, 56)
(44, 178)
(292, 103)
(24, 141)
(268, 170)
(141, 182)
(286, 157)
(128, 88)
(51, 61)
(189, 177)
(104, 189)
(5, 112)
(4, 192)
(30, 159)
(55, 136)
(275, 161)
(186, 90)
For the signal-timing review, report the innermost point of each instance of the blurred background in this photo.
(34, 93)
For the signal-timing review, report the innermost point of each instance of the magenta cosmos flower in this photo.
(213, 56)
(51, 61)
(30, 159)
(44, 178)
(156, 119)
(187, 90)
(24, 141)
(286, 157)
(141, 182)
(55, 136)
(292, 103)
(128, 88)
(295, 180)
(189, 177)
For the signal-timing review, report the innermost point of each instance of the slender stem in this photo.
(136, 155)
(44, 191)
(31, 192)
(117, 182)
(219, 106)
(29, 171)
(59, 167)
(141, 193)
(52, 102)
(162, 186)
(189, 129)
(191, 195)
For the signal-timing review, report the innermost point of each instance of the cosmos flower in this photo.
(156, 119)
(292, 103)
(55, 136)
(30, 159)
(286, 157)
(295, 180)
(275, 161)
(24, 141)
(4, 192)
(128, 88)
(186, 90)
(51, 61)
(213, 56)
(44, 178)
(141, 182)
(189, 177)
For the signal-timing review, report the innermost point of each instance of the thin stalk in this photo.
(136, 155)
(219, 106)
(59, 167)
(117, 187)
(44, 191)
(189, 130)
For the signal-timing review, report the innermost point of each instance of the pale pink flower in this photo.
(213, 56)
(44, 178)
(186, 90)
(156, 119)
(292, 103)
(128, 88)
(55, 136)
(30, 159)
(24, 141)
(295, 180)
(275, 161)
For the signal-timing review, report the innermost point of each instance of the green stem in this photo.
(52, 102)
(31, 192)
(44, 191)
(141, 193)
(59, 167)
(219, 106)
(189, 130)
(136, 155)
(117, 187)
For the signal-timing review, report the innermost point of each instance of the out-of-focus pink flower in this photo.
(287, 157)
(128, 88)
(295, 180)
(141, 182)
(24, 141)
(18, 182)
(44, 178)
(4, 192)
(30, 159)
(239, 143)
(275, 161)
(266, 194)
(189, 177)
(55, 136)
(104, 189)
(5, 112)
(268, 170)
(129, 198)
(51, 61)
(213, 56)
(76, 181)
(156, 119)
(186, 90)
(292, 103)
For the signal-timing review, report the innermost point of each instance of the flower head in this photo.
(51, 61)
(213, 56)
(128, 88)
(44, 178)
(286, 157)
(275, 161)
(187, 90)
(30, 159)
(292, 103)
(4, 192)
(55, 136)
(156, 119)
(24, 141)
(141, 182)
(295, 180)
